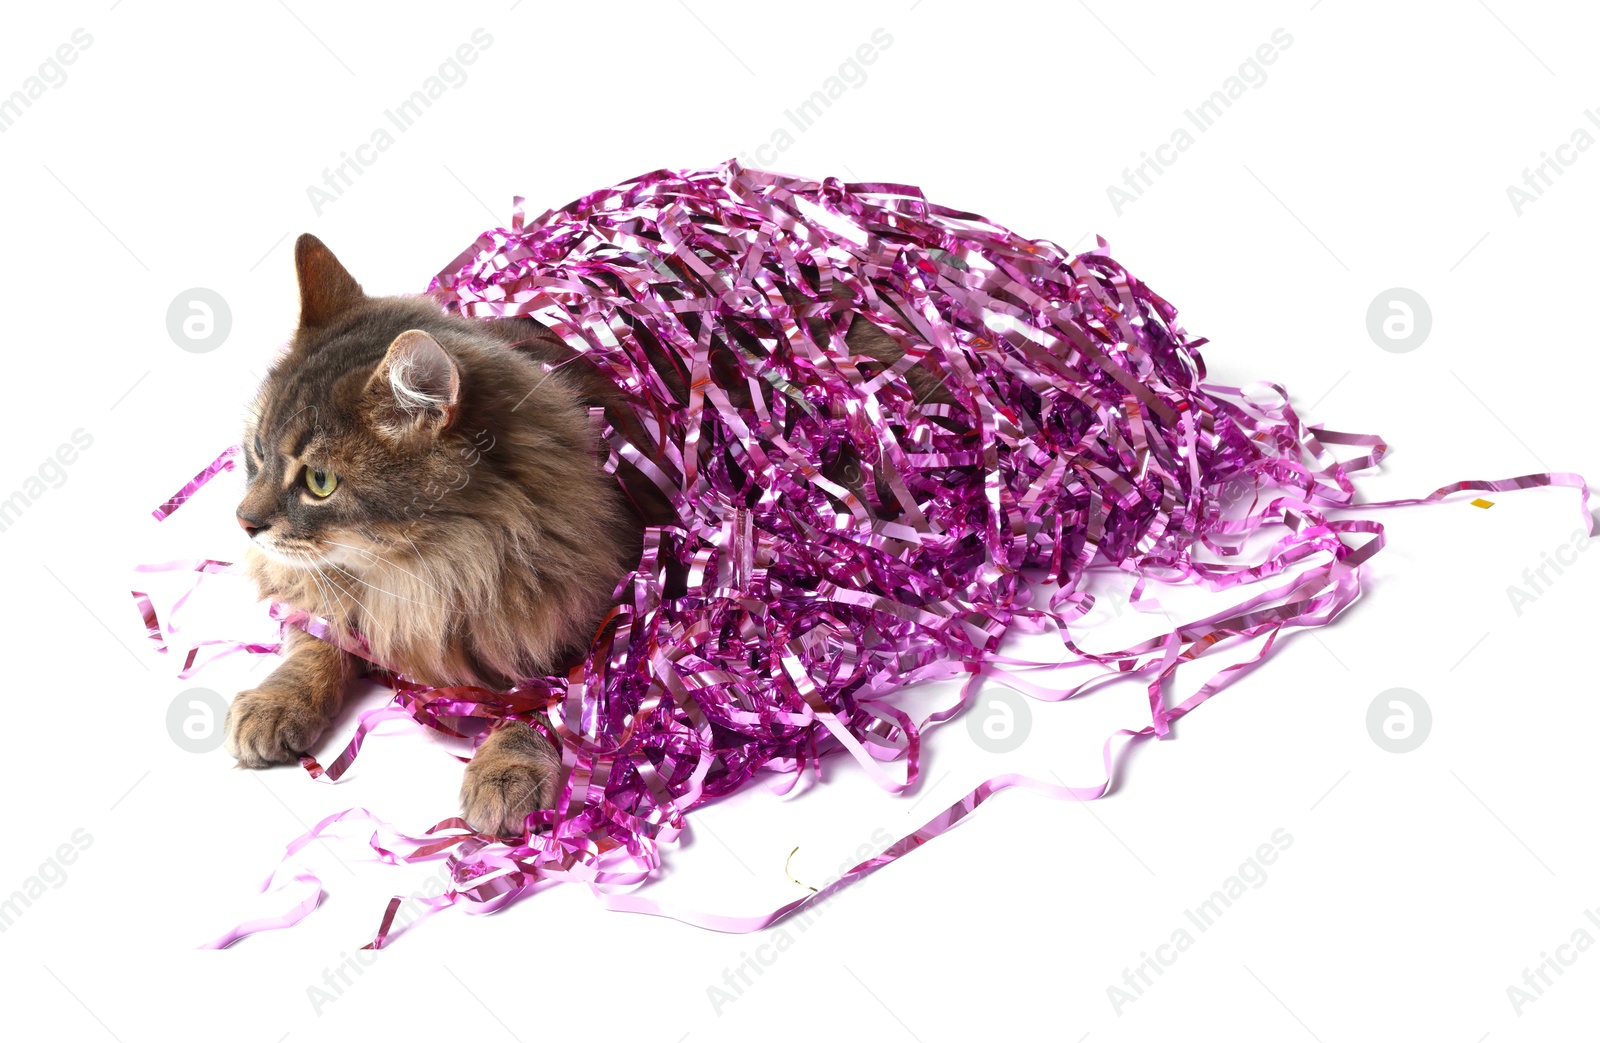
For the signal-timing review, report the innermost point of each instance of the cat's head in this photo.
(357, 434)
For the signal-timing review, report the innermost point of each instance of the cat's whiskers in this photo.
(404, 535)
(414, 547)
(316, 568)
(313, 574)
(319, 576)
(380, 590)
(365, 558)
(374, 556)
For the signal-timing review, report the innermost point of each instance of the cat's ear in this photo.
(417, 386)
(326, 289)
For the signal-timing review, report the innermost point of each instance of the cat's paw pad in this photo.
(504, 783)
(266, 727)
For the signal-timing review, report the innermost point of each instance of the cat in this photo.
(436, 485)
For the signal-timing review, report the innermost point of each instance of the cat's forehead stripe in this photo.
(301, 441)
(278, 432)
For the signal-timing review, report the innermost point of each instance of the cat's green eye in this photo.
(321, 483)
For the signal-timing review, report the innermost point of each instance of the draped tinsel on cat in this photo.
(841, 537)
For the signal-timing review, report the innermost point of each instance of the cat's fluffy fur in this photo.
(472, 536)
(494, 469)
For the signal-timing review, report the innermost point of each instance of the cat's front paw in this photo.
(516, 771)
(267, 726)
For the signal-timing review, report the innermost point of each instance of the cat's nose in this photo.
(251, 526)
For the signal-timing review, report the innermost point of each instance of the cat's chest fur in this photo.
(407, 614)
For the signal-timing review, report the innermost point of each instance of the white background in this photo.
(1376, 154)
